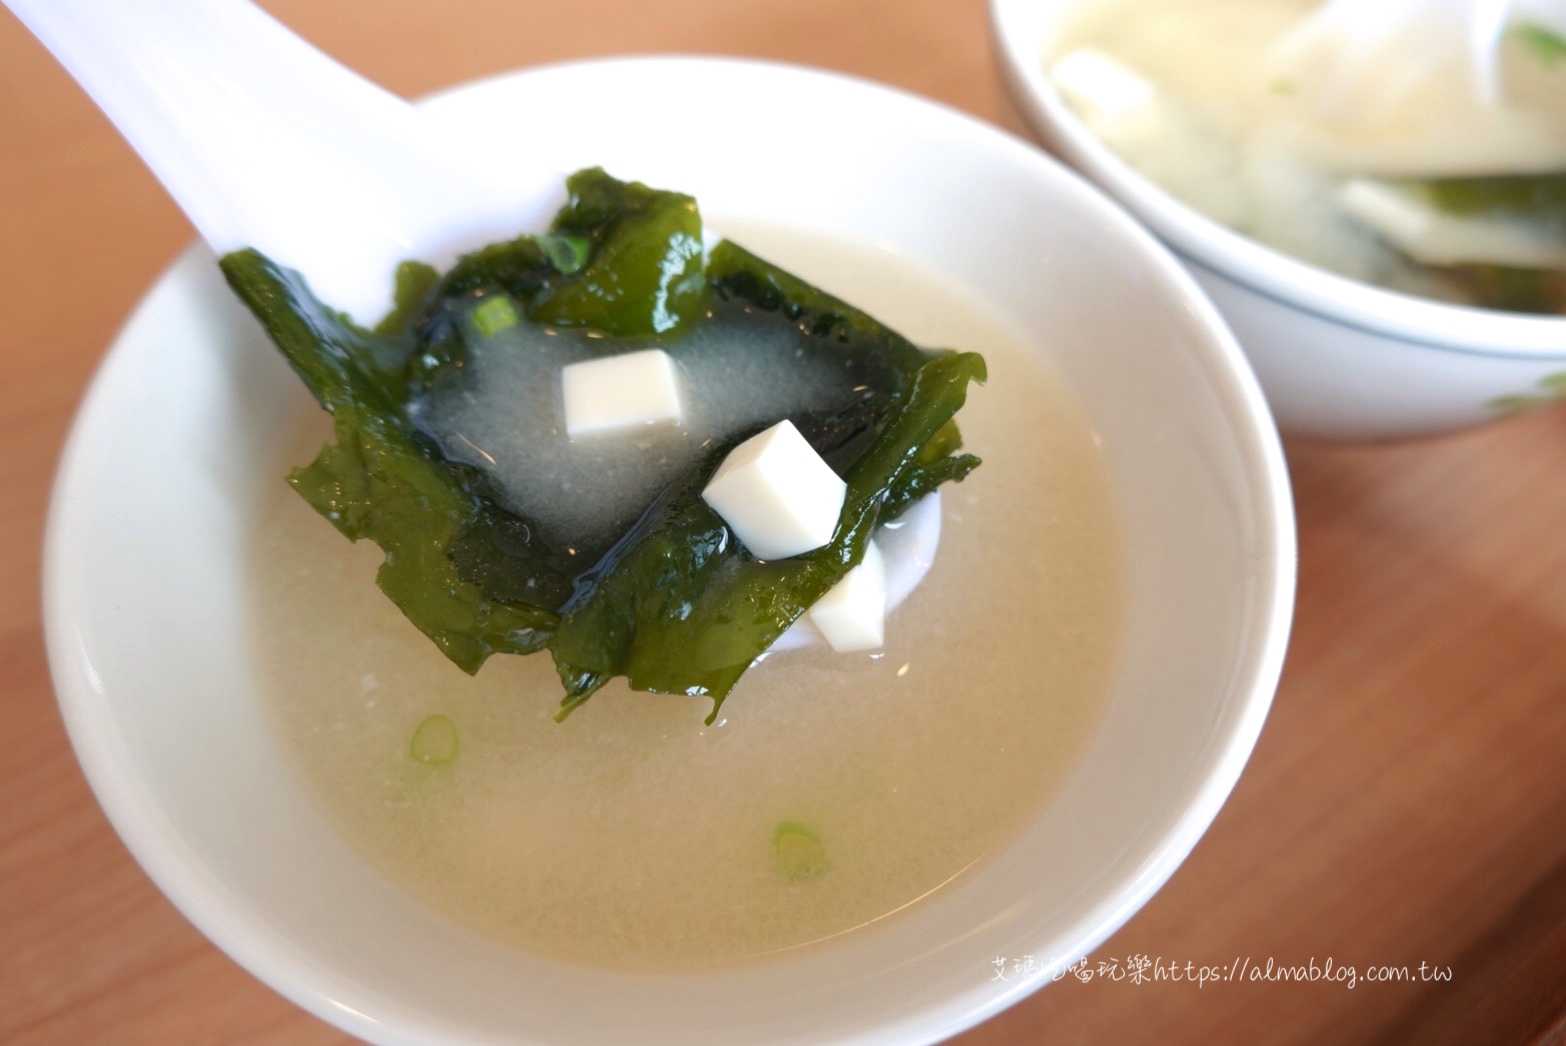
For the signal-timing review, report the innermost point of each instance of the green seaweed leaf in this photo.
(1539, 197)
(1546, 45)
(1513, 289)
(380, 480)
(1539, 201)
(643, 268)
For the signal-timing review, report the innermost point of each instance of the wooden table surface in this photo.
(1406, 804)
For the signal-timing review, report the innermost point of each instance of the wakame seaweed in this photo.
(676, 604)
(1537, 199)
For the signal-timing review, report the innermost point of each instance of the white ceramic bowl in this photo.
(1337, 358)
(149, 530)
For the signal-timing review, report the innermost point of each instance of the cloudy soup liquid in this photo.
(834, 790)
(1229, 133)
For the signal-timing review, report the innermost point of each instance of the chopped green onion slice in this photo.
(1548, 46)
(435, 741)
(568, 254)
(800, 854)
(494, 315)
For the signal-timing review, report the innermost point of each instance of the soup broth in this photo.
(1197, 95)
(833, 792)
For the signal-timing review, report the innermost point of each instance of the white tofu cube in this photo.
(620, 392)
(1094, 81)
(852, 615)
(777, 494)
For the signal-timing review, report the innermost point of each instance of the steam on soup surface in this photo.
(833, 791)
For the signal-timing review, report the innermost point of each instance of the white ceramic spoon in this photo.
(266, 142)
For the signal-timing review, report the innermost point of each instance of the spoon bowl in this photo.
(321, 170)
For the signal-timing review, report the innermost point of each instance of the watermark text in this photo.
(1143, 969)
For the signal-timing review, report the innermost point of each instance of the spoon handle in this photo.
(266, 142)
(213, 96)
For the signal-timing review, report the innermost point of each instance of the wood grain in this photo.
(1406, 803)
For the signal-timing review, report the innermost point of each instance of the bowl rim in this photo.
(288, 969)
(1198, 239)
